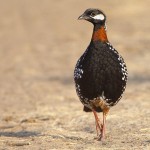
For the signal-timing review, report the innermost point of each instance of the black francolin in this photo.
(100, 74)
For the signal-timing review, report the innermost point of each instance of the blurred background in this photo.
(40, 42)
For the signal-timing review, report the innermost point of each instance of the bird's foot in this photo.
(99, 128)
(99, 138)
(102, 135)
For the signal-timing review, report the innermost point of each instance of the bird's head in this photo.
(94, 16)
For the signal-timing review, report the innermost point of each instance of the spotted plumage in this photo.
(100, 74)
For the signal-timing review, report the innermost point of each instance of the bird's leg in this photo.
(98, 123)
(96, 127)
(104, 127)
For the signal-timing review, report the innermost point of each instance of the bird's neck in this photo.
(99, 33)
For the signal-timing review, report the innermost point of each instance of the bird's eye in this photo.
(92, 14)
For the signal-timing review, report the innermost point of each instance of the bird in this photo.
(100, 74)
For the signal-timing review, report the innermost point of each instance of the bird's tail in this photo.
(86, 109)
(97, 109)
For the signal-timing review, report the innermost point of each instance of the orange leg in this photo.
(104, 127)
(99, 126)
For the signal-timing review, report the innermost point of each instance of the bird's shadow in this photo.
(20, 134)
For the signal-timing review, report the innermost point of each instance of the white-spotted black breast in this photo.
(100, 71)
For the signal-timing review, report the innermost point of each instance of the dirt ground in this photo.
(40, 42)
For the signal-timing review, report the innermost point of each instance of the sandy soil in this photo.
(40, 42)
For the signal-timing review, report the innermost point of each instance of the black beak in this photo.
(83, 17)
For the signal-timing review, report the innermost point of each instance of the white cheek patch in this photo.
(99, 17)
